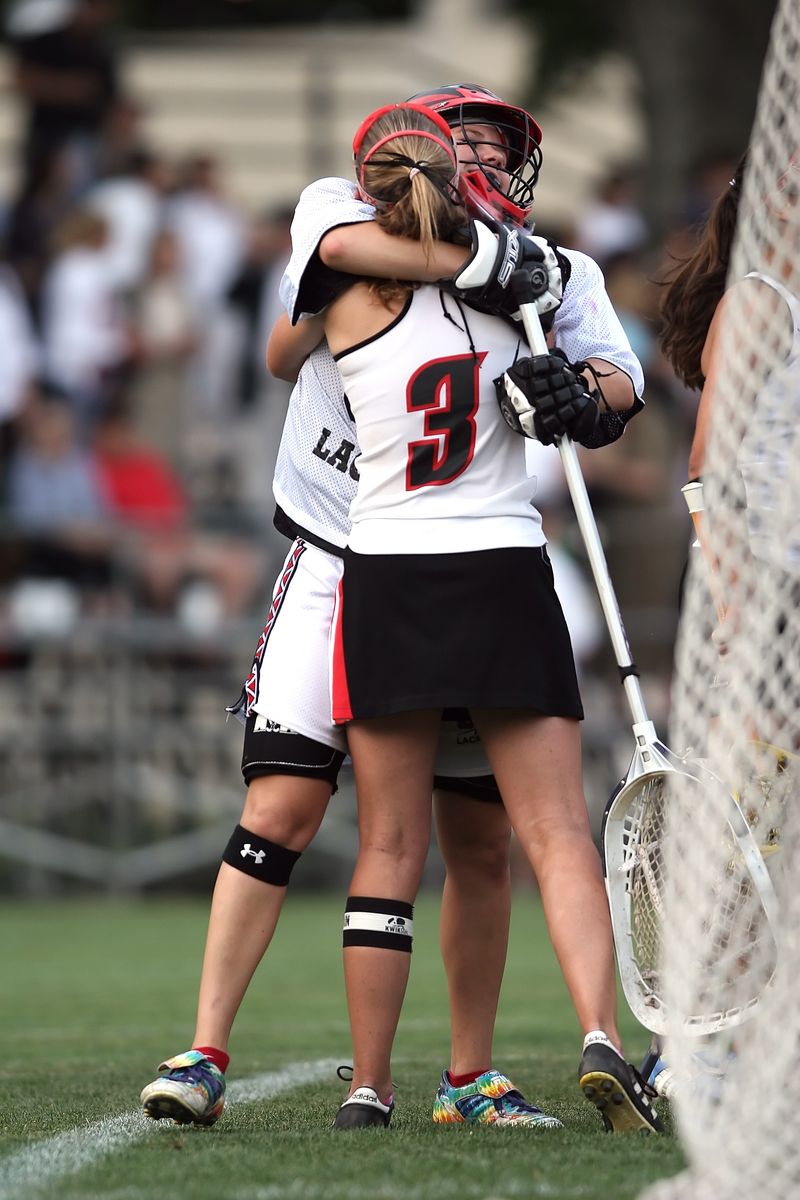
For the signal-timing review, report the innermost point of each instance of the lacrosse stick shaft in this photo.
(591, 539)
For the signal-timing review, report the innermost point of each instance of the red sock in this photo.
(218, 1057)
(458, 1081)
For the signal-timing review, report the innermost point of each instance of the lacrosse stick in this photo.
(632, 830)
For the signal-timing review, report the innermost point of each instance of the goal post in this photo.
(736, 704)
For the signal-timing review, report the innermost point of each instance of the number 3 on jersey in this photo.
(447, 390)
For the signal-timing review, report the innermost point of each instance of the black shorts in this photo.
(480, 629)
(481, 787)
(272, 749)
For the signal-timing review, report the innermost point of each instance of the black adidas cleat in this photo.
(617, 1091)
(362, 1110)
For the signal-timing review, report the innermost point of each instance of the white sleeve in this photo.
(586, 325)
(307, 284)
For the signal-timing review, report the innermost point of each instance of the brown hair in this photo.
(696, 288)
(406, 165)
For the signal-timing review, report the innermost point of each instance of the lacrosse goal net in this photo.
(736, 1091)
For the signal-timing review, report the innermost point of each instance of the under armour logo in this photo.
(258, 855)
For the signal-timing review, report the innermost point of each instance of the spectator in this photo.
(121, 137)
(87, 341)
(65, 71)
(254, 293)
(19, 354)
(212, 240)
(166, 551)
(42, 203)
(612, 222)
(55, 498)
(131, 203)
(263, 398)
(211, 231)
(167, 334)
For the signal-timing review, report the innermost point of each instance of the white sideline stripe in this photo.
(38, 1165)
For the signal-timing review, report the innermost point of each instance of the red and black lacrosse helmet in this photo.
(464, 104)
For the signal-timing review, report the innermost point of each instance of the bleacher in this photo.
(279, 108)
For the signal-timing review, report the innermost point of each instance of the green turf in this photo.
(93, 994)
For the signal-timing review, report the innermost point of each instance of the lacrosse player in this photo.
(694, 305)
(692, 310)
(443, 533)
(292, 752)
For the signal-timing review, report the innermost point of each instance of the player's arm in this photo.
(290, 345)
(781, 329)
(709, 364)
(366, 249)
(335, 238)
(588, 330)
(545, 396)
(618, 391)
(589, 385)
(478, 273)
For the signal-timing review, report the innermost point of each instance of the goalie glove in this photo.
(542, 398)
(497, 251)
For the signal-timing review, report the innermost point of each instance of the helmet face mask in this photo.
(507, 194)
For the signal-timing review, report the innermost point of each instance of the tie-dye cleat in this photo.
(190, 1091)
(491, 1099)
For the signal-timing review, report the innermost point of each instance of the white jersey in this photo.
(440, 469)
(315, 475)
(768, 452)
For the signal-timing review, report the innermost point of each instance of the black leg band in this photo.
(256, 856)
(387, 924)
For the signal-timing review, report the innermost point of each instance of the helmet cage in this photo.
(524, 157)
(464, 105)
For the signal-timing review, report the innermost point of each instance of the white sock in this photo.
(597, 1037)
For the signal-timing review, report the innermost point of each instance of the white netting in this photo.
(737, 1091)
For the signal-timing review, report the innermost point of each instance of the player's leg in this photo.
(281, 815)
(290, 777)
(280, 818)
(474, 836)
(474, 839)
(394, 822)
(537, 765)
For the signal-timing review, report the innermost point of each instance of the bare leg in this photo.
(286, 810)
(537, 765)
(393, 761)
(474, 838)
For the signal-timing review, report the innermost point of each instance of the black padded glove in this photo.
(543, 398)
(497, 252)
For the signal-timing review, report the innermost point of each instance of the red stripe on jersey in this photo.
(341, 709)
(281, 588)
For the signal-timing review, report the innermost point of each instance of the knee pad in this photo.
(387, 924)
(255, 856)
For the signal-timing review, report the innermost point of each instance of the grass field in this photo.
(94, 994)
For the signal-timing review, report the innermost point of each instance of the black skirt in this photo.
(479, 629)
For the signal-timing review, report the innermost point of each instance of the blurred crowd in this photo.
(138, 423)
